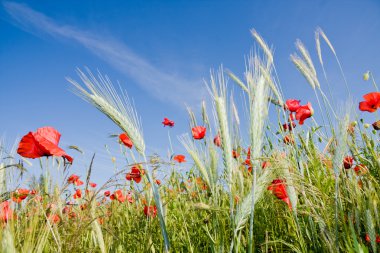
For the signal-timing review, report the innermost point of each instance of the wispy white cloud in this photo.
(158, 83)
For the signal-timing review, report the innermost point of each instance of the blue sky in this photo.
(160, 51)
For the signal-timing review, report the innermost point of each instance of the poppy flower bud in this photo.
(217, 141)
(376, 125)
(366, 76)
(366, 125)
(288, 139)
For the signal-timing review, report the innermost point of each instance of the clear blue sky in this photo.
(160, 51)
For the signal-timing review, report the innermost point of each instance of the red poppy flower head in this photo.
(198, 132)
(19, 195)
(74, 179)
(54, 218)
(150, 211)
(107, 193)
(217, 141)
(168, 122)
(292, 104)
(348, 161)
(304, 112)
(158, 181)
(118, 195)
(124, 138)
(179, 158)
(6, 212)
(371, 102)
(367, 238)
(43, 142)
(135, 174)
(278, 188)
(361, 169)
(93, 185)
(77, 194)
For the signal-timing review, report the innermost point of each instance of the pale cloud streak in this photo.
(158, 83)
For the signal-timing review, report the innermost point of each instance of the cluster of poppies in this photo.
(348, 163)
(44, 142)
(298, 111)
(17, 196)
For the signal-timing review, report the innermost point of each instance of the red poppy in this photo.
(107, 193)
(43, 142)
(74, 179)
(179, 158)
(93, 185)
(6, 212)
(158, 181)
(217, 141)
(168, 122)
(198, 132)
(124, 138)
(248, 159)
(33, 192)
(150, 211)
(278, 188)
(371, 103)
(348, 161)
(118, 195)
(19, 195)
(78, 194)
(304, 112)
(54, 218)
(135, 174)
(367, 238)
(201, 183)
(361, 169)
(292, 104)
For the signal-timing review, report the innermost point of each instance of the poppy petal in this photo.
(365, 106)
(52, 148)
(50, 134)
(29, 148)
